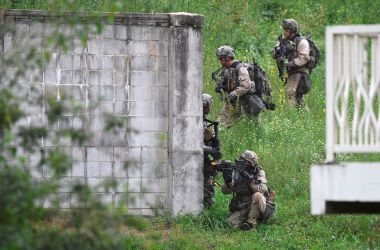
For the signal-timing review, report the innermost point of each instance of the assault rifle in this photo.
(220, 79)
(281, 57)
(227, 168)
(214, 124)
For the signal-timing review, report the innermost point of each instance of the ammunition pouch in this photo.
(304, 85)
(239, 204)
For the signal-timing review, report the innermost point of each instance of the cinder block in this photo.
(113, 47)
(94, 46)
(93, 183)
(162, 78)
(162, 63)
(121, 108)
(155, 185)
(107, 62)
(94, 78)
(106, 198)
(106, 94)
(148, 139)
(92, 154)
(36, 44)
(78, 46)
(77, 62)
(162, 49)
(162, 109)
(143, 63)
(155, 124)
(105, 169)
(142, 109)
(36, 29)
(108, 31)
(52, 62)
(120, 78)
(143, 78)
(120, 32)
(106, 77)
(120, 62)
(121, 93)
(66, 77)
(155, 155)
(94, 62)
(66, 61)
(78, 78)
(120, 154)
(142, 48)
(119, 170)
(105, 154)
(153, 33)
(78, 153)
(78, 169)
(65, 199)
(134, 185)
(93, 169)
(50, 77)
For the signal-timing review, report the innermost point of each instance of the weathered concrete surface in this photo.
(143, 68)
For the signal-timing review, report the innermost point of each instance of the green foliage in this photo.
(287, 141)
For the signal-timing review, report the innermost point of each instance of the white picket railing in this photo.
(352, 89)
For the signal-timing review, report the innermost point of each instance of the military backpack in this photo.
(258, 75)
(315, 53)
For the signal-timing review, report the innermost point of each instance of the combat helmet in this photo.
(250, 156)
(207, 100)
(225, 51)
(290, 24)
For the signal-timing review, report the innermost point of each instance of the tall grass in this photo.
(287, 141)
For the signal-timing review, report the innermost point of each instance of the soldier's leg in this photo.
(229, 115)
(291, 89)
(209, 193)
(257, 207)
(252, 106)
(234, 219)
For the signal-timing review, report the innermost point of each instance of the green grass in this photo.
(287, 141)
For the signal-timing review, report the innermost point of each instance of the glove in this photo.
(215, 153)
(270, 106)
(217, 89)
(227, 176)
(232, 98)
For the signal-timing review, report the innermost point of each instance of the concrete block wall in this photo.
(143, 68)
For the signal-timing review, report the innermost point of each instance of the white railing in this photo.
(352, 89)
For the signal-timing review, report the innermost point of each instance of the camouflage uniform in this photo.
(297, 60)
(211, 149)
(240, 88)
(252, 203)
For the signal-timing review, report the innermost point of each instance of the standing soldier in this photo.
(237, 89)
(293, 52)
(253, 201)
(211, 149)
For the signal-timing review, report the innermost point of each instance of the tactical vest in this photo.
(294, 54)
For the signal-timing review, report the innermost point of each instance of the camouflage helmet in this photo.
(250, 156)
(225, 51)
(207, 100)
(290, 24)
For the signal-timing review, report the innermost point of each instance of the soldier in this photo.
(253, 201)
(211, 149)
(237, 88)
(295, 50)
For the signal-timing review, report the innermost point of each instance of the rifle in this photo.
(227, 168)
(220, 80)
(280, 56)
(214, 124)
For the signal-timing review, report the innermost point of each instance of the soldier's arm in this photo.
(303, 57)
(227, 188)
(245, 83)
(273, 52)
(258, 187)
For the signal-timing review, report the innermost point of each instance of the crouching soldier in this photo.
(252, 202)
(211, 148)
